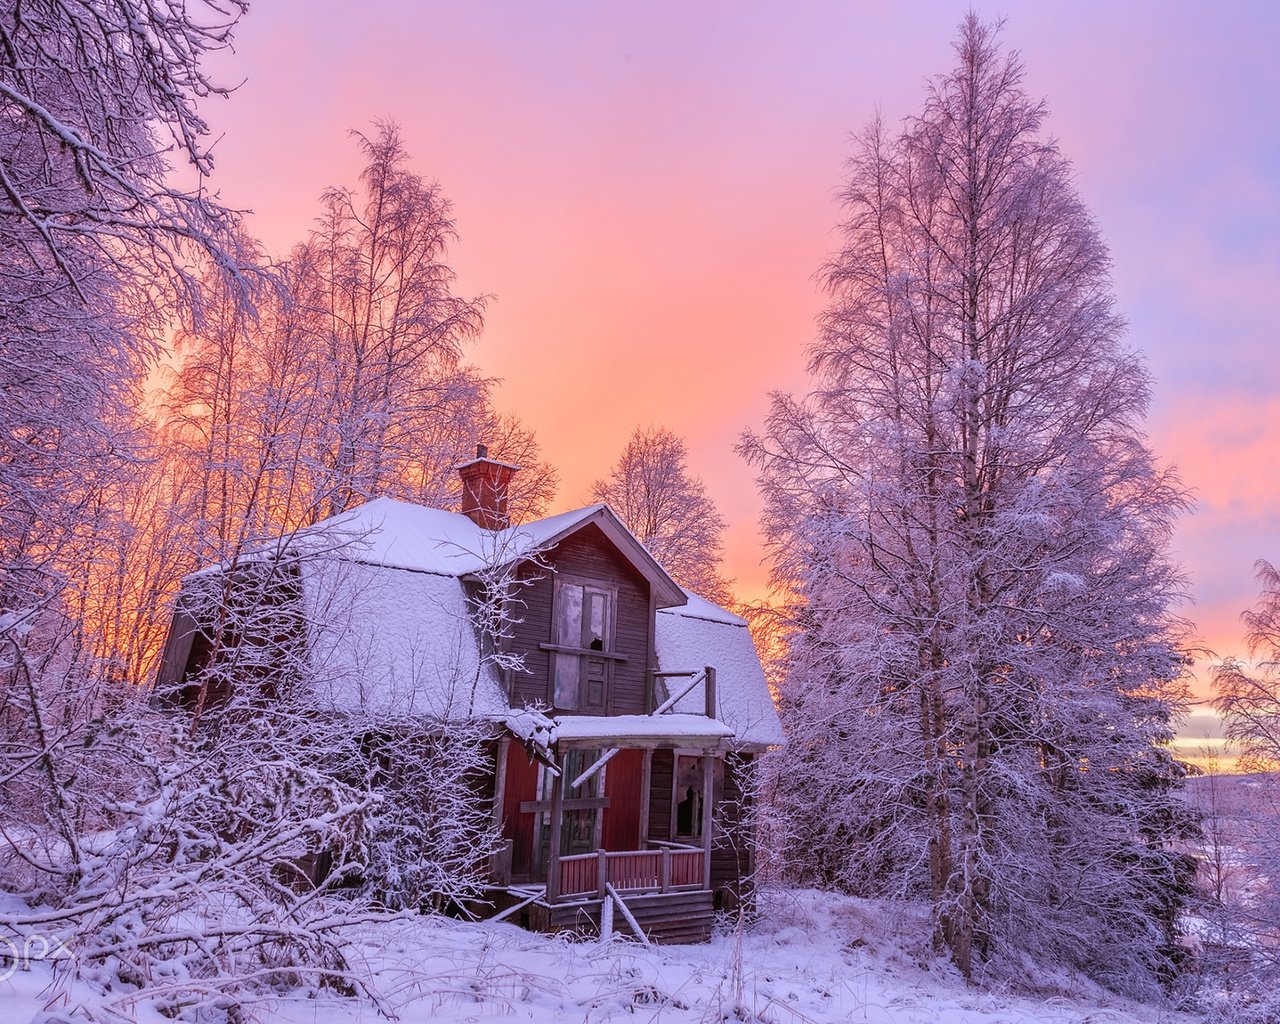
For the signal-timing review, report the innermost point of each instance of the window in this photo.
(686, 805)
(688, 793)
(582, 624)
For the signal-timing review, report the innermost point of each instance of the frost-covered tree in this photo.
(984, 666)
(374, 286)
(1248, 698)
(95, 238)
(668, 509)
(95, 94)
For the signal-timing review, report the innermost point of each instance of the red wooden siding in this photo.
(622, 786)
(590, 555)
(521, 784)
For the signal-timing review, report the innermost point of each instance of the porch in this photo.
(672, 867)
(603, 811)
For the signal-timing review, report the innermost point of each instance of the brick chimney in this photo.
(484, 490)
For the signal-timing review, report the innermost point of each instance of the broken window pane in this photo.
(688, 797)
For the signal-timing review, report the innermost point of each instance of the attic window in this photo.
(582, 626)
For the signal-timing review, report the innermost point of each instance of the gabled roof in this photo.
(402, 535)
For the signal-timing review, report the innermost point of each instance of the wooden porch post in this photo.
(708, 802)
(500, 781)
(553, 855)
(709, 691)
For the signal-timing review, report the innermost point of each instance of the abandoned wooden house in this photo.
(627, 713)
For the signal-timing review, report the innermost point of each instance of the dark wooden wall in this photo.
(660, 779)
(733, 850)
(588, 554)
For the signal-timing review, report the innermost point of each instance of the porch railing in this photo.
(631, 870)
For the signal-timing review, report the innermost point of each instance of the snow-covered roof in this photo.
(641, 727)
(391, 630)
(396, 642)
(700, 608)
(402, 535)
(701, 633)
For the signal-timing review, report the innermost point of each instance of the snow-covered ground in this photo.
(813, 958)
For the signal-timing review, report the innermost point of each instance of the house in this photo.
(627, 713)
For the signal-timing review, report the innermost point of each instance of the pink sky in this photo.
(647, 191)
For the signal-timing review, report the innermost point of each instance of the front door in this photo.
(581, 821)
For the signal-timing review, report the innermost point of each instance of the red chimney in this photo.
(484, 490)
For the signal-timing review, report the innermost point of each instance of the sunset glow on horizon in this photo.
(647, 195)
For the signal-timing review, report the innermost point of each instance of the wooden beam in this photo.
(519, 906)
(708, 801)
(606, 919)
(585, 652)
(626, 913)
(577, 803)
(500, 781)
(709, 691)
(596, 765)
(553, 855)
(674, 699)
(646, 782)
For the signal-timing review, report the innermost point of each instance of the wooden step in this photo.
(677, 917)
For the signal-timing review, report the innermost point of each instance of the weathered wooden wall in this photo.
(590, 555)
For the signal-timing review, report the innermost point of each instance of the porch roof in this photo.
(641, 730)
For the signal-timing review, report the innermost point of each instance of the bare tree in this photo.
(668, 510)
(94, 244)
(1249, 700)
(984, 666)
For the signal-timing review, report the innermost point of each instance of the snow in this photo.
(402, 535)
(813, 958)
(703, 634)
(701, 608)
(637, 727)
(396, 642)
(535, 728)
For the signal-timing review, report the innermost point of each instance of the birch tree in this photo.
(374, 282)
(668, 509)
(984, 665)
